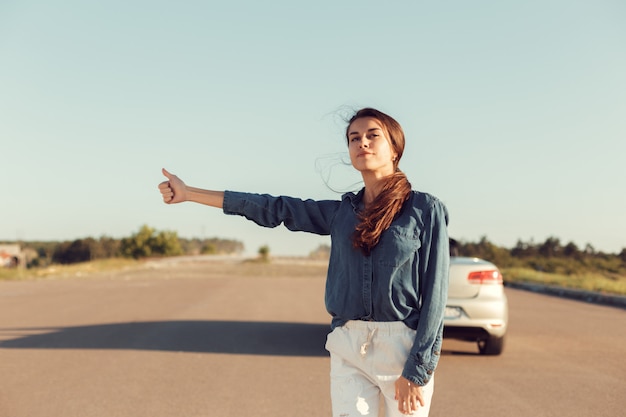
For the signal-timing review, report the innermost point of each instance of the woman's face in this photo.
(370, 150)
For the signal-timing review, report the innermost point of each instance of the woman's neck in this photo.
(373, 187)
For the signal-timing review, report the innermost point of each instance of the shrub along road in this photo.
(181, 338)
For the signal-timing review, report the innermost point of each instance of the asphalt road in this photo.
(187, 339)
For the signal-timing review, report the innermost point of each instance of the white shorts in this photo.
(366, 359)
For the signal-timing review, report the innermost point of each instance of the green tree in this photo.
(209, 249)
(166, 243)
(571, 251)
(105, 247)
(486, 250)
(524, 250)
(147, 243)
(73, 252)
(550, 248)
(264, 253)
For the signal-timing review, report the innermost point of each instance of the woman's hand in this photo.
(408, 395)
(174, 190)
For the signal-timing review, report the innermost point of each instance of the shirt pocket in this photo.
(397, 246)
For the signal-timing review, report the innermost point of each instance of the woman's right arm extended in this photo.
(174, 190)
(263, 209)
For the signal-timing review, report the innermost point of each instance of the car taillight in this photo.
(485, 277)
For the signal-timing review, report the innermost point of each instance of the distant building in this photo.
(11, 256)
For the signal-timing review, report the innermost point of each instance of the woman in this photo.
(387, 279)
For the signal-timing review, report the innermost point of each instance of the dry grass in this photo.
(587, 281)
(79, 270)
(200, 267)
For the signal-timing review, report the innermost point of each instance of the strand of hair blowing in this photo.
(377, 218)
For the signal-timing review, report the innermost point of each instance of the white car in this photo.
(477, 308)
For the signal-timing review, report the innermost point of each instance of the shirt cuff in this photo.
(417, 374)
(233, 202)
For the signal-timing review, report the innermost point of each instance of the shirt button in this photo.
(436, 352)
(426, 381)
(429, 372)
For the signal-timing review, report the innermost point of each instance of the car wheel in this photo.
(491, 346)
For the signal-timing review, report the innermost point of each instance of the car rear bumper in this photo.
(478, 318)
(471, 333)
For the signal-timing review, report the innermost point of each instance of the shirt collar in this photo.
(355, 199)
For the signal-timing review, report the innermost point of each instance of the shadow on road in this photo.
(253, 338)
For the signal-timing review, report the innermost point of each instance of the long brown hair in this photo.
(377, 217)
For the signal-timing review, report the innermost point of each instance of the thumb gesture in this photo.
(173, 190)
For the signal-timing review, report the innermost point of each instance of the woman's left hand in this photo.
(408, 395)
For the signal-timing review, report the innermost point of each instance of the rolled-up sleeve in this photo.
(270, 211)
(433, 281)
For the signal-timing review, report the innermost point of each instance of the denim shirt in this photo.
(405, 278)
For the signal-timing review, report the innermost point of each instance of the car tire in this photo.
(491, 346)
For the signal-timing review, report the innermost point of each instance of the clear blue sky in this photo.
(514, 111)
